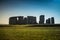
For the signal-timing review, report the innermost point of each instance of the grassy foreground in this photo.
(21, 32)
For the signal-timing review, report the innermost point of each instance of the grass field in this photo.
(24, 32)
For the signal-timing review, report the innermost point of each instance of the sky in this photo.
(49, 8)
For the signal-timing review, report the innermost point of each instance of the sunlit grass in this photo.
(21, 32)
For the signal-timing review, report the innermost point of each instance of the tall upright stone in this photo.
(34, 20)
(20, 20)
(25, 20)
(48, 21)
(31, 20)
(41, 19)
(52, 20)
(13, 20)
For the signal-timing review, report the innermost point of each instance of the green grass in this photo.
(21, 32)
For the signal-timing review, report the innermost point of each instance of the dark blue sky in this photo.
(49, 8)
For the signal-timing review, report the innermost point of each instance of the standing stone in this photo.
(41, 19)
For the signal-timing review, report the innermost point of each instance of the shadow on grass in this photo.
(34, 25)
